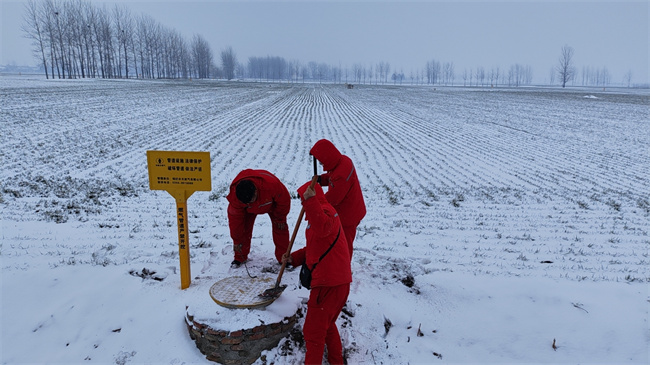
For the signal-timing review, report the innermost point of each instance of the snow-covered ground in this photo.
(500, 221)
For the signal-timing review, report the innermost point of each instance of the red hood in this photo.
(320, 195)
(326, 153)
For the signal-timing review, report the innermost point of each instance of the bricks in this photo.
(212, 332)
(241, 347)
(231, 340)
(257, 336)
(237, 333)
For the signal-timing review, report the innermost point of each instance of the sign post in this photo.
(180, 174)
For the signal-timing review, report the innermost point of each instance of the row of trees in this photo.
(568, 73)
(279, 69)
(77, 39)
(516, 75)
(589, 76)
(74, 39)
(434, 73)
(437, 73)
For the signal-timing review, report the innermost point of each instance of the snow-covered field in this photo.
(499, 220)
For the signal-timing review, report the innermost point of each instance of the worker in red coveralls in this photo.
(343, 189)
(255, 192)
(331, 278)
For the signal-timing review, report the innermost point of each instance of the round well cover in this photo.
(242, 292)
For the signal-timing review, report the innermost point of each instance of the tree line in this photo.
(273, 68)
(76, 39)
(73, 39)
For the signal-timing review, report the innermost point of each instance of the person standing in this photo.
(255, 192)
(343, 188)
(326, 255)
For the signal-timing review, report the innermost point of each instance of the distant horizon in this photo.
(473, 34)
(537, 81)
(25, 70)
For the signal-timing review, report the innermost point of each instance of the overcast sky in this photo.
(406, 34)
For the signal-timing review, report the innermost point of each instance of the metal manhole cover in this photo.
(242, 292)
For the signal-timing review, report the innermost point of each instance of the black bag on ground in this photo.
(305, 273)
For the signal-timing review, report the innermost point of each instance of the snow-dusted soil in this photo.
(499, 220)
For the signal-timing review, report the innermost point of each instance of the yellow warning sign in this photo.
(179, 170)
(181, 173)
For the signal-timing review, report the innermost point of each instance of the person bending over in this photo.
(255, 192)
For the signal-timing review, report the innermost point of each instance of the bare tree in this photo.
(516, 75)
(74, 38)
(228, 62)
(102, 34)
(397, 77)
(49, 23)
(528, 75)
(449, 73)
(60, 27)
(175, 58)
(89, 16)
(146, 39)
(565, 68)
(383, 69)
(291, 69)
(32, 29)
(627, 78)
(433, 70)
(323, 71)
(480, 75)
(304, 72)
(240, 70)
(124, 31)
(294, 70)
(277, 68)
(313, 69)
(357, 72)
(201, 56)
(255, 68)
(601, 77)
(386, 71)
(585, 75)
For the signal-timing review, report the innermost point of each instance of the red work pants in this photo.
(280, 231)
(350, 233)
(323, 308)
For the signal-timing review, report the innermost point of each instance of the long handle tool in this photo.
(277, 290)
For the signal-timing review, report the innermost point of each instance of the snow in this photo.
(499, 221)
(228, 319)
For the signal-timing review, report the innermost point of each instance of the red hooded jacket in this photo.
(323, 228)
(344, 191)
(272, 198)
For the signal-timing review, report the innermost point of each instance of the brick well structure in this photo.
(237, 347)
